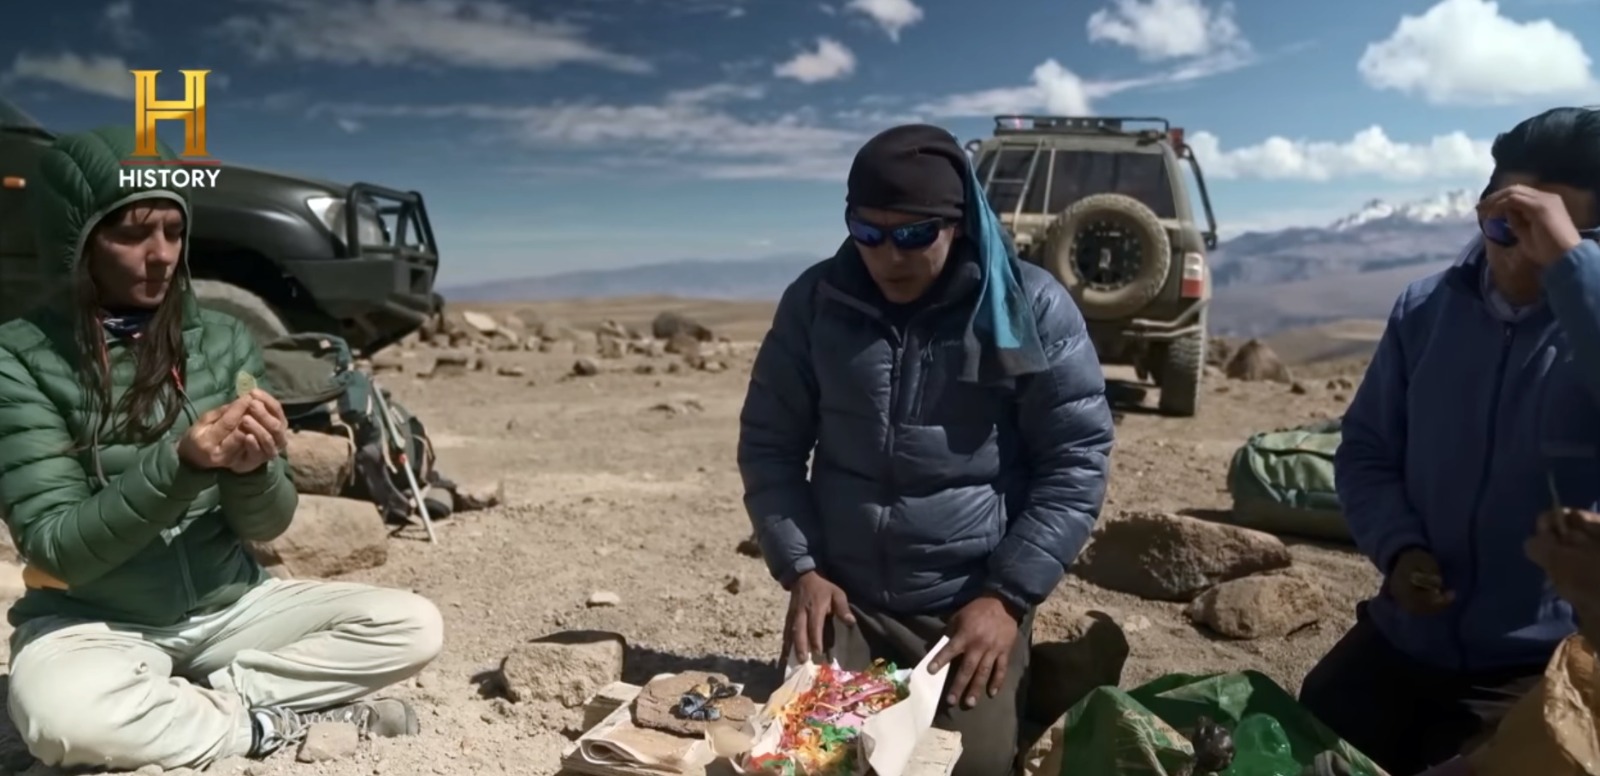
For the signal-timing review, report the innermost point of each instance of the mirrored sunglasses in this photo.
(909, 237)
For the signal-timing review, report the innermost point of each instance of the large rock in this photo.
(1258, 607)
(329, 536)
(1169, 557)
(567, 667)
(1091, 654)
(321, 464)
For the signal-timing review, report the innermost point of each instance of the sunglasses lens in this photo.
(864, 233)
(1498, 230)
(918, 235)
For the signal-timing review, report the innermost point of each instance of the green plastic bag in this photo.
(1282, 482)
(1141, 732)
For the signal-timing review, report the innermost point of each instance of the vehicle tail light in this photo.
(1175, 135)
(1192, 283)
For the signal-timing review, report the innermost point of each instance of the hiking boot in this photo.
(276, 727)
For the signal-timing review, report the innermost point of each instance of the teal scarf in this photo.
(1002, 339)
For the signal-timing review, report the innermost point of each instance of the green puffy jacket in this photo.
(140, 538)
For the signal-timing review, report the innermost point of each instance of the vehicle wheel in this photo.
(1182, 366)
(1111, 252)
(257, 316)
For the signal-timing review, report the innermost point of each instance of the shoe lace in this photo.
(358, 714)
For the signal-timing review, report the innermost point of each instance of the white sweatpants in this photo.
(120, 697)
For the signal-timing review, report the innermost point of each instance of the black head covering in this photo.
(912, 168)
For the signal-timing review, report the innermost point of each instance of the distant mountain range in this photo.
(1266, 281)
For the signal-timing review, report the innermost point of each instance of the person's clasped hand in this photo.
(982, 634)
(1538, 218)
(1566, 544)
(1417, 584)
(240, 436)
(265, 432)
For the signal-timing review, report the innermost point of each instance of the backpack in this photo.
(1282, 482)
(313, 375)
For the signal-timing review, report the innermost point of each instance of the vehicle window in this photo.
(1079, 174)
(1010, 173)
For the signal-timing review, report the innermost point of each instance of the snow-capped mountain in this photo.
(1449, 206)
(1379, 235)
(1351, 268)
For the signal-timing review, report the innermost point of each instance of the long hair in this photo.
(153, 402)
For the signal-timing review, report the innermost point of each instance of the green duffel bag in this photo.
(1147, 731)
(1282, 482)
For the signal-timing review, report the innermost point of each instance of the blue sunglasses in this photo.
(910, 237)
(1498, 231)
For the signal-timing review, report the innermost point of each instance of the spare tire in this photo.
(258, 317)
(1111, 252)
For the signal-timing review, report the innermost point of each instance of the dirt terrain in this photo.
(625, 482)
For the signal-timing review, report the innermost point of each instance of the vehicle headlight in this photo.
(331, 212)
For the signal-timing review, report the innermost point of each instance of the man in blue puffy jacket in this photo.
(1480, 410)
(956, 410)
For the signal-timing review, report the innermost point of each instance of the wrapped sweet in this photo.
(821, 727)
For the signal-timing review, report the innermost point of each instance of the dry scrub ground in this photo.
(626, 482)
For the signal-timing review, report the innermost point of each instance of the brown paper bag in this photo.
(1555, 729)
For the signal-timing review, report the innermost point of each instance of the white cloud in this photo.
(1168, 29)
(1055, 89)
(830, 61)
(689, 132)
(892, 16)
(117, 22)
(485, 34)
(100, 75)
(1370, 153)
(1464, 52)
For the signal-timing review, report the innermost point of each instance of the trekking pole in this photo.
(405, 463)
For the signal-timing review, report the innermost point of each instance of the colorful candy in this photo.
(822, 726)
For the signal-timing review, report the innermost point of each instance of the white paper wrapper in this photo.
(888, 738)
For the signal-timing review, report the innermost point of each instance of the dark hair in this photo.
(158, 356)
(1560, 146)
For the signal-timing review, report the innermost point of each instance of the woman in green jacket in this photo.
(135, 460)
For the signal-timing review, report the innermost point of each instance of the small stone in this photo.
(328, 741)
(733, 584)
(585, 367)
(510, 371)
(749, 547)
(604, 598)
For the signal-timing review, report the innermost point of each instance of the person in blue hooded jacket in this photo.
(1480, 411)
(956, 411)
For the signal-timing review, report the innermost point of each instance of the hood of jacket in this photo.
(78, 183)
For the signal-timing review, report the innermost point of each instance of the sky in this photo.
(554, 136)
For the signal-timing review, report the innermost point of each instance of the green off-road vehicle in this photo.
(1105, 207)
(278, 251)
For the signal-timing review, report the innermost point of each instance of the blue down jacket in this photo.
(924, 491)
(1464, 425)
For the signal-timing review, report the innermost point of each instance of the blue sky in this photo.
(601, 133)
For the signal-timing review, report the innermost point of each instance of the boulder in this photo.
(1168, 557)
(1258, 607)
(1091, 653)
(320, 464)
(1255, 360)
(329, 536)
(567, 667)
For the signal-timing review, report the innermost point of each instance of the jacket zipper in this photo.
(1482, 490)
(898, 343)
(190, 596)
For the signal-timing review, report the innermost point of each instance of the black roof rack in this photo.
(1032, 124)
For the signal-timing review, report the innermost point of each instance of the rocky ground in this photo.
(620, 511)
